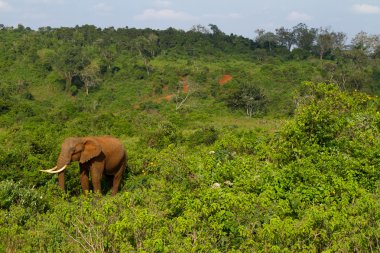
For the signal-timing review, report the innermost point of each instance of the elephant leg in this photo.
(96, 171)
(117, 179)
(84, 180)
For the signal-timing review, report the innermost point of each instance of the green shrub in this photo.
(12, 193)
(248, 97)
(166, 134)
(206, 135)
(324, 116)
(311, 185)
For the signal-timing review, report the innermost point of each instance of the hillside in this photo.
(234, 144)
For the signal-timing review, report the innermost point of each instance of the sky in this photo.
(241, 17)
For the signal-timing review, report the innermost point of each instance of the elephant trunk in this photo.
(61, 165)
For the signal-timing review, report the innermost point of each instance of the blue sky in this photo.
(240, 17)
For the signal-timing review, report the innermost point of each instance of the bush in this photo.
(328, 117)
(166, 134)
(205, 135)
(248, 97)
(15, 194)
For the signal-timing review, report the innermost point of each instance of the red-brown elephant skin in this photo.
(98, 156)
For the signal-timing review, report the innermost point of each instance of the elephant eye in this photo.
(77, 150)
(73, 150)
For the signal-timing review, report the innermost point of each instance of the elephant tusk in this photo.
(55, 171)
(52, 169)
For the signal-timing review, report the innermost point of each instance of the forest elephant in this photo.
(97, 156)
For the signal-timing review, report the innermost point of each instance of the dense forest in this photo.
(269, 144)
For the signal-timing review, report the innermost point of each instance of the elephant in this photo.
(98, 156)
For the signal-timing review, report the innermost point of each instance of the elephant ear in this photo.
(91, 149)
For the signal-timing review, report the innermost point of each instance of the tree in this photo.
(108, 56)
(286, 37)
(348, 72)
(90, 75)
(200, 29)
(365, 42)
(248, 97)
(215, 29)
(376, 54)
(146, 46)
(327, 40)
(69, 61)
(267, 40)
(304, 36)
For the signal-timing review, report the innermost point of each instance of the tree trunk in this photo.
(321, 55)
(86, 85)
(146, 66)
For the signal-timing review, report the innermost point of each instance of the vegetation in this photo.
(234, 144)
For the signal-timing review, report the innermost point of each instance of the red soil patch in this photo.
(168, 97)
(185, 85)
(225, 79)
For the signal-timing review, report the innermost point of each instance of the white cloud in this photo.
(4, 6)
(164, 14)
(366, 9)
(297, 16)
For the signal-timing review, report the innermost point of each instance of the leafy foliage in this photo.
(203, 178)
(248, 97)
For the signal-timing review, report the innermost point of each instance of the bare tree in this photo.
(185, 89)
